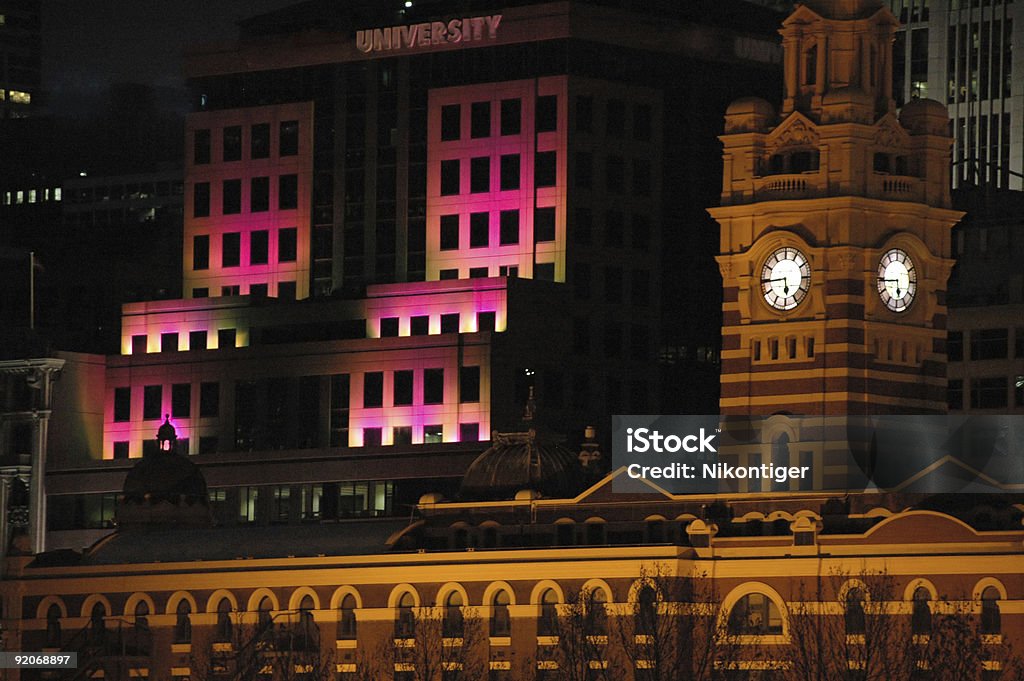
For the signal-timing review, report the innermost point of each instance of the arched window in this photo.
(548, 624)
(142, 614)
(811, 65)
(347, 623)
(264, 619)
(308, 634)
(183, 622)
(991, 622)
(53, 626)
(856, 622)
(405, 618)
(597, 613)
(224, 632)
(452, 624)
(646, 621)
(921, 616)
(755, 614)
(501, 621)
(97, 624)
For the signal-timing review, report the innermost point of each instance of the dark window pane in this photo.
(989, 344)
(509, 172)
(201, 147)
(469, 432)
(450, 123)
(168, 342)
(547, 113)
(233, 143)
(478, 272)
(433, 386)
(209, 399)
(509, 227)
(449, 232)
(181, 400)
(232, 198)
(511, 115)
(584, 169)
(448, 274)
(231, 245)
(989, 393)
(956, 394)
(480, 120)
(287, 242)
(955, 346)
(485, 321)
(201, 199)
(450, 177)
(201, 252)
(286, 290)
(545, 169)
(140, 344)
(226, 338)
(480, 174)
(450, 323)
(479, 230)
(152, 402)
(122, 404)
(544, 224)
(259, 290)
(120, 450)
(615, 175)
(584, 114)
(419, 325)
(288, 192)
(259, 247)
(197, 340)
(289, 141)
(544, 271)
(469, 384)
(642, 177)
(371, 437)
(373, 389)
(642, 122)
(260, 144)
(389, 327)
(259, 194)
(403, 387)
(616, 124)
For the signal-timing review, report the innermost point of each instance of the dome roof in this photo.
(164, 488)
(925, 116)
(518, 461)
(749, 114)
(844, 9)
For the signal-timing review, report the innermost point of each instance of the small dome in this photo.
(847, 104)
(844, 9)
(164, 488)
(749, 114)
(518, 461)
(925, 116)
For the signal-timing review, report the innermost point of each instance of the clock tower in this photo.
(835, 230)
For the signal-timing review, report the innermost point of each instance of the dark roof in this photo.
(170, 545)
(522, 461)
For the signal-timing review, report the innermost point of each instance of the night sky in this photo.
(89, 45)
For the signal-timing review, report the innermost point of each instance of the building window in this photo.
(140, 345)
(405, 617)
(501, 621)
(642, 180)
(287, 244)
(511, 116)
(209, 399)
(259, 247)
(196, 339)
(452, 622)
(152, 402)
(347, 618)
(544, 271)
(545, 169)
(989, 393)
(419, 325)
(544, 224)
(479, 230)
(855, 620)
(433, 434)
(201, 200)
(547, 113)
(955, 346)
(288, 142)
(389, 327)
(613, 284)
(548, 624)
(642, 123)
(233, 143)
(373, 389)
(509, 227)
(451, 115)
(755, 614)
(181, 400)
(616, 122)
(990, 618)
(485, 321)
(402, 385)
(201, 146)
(581, 281)
(231, 249)
(223, 631)
(469, 432)
(478, 272)
(448, 274)
(450, 323)
(183, 622)
(121, 450)
(921, 614)
(480, 120)
(583, 170)
(372, 437)
(226, 338)
(201, 292)
(286, 290)
(259, 194)
(201, 252)
(450, 177)
(509, 172)
(433, 386)
(480, 174)
(288, 192)
(615, 174)
(646, 617)
(955, 392)
(469, 384)
(449, 232)
(989, 344)
(232, 197)
(122, 405)
(259, 146)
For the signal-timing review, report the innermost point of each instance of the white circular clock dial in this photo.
(785, 278)
(897, 280)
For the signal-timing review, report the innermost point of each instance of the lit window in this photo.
(7, 198)
(46, 194)
(56, 193)
(755, 614)
(19, 97)
(31, 195)
(20, 197)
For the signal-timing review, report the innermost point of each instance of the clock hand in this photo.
(894, 281)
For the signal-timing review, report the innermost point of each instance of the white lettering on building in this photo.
(427, 33)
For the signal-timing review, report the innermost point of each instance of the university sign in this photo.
(428, 33)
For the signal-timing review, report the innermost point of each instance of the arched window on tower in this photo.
(921, 615)
(991, 622)
(452, 624)
(347, 621)
(183, 622)
(53, 632)
(548, 624)
(856, 622)
(811, 65)
(501, 621)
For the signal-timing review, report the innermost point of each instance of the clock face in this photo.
(785, 278)
(897, 280)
